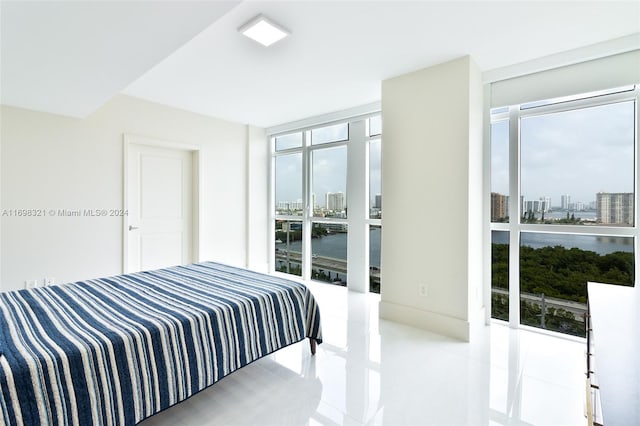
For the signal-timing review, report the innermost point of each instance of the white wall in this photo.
(54, 162)
(432, 184)
(258, 200)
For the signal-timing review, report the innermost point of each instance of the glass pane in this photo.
(335, 133)
(288, 247)
(293, 140)
(375, 233)
(329, 192)
(500, 275)
(554, 270)
(500, 171)
(375, 125)
(329, 253)
(577, 167)
(375, 179)
(289, 184)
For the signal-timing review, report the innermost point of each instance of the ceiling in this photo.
(71, 57)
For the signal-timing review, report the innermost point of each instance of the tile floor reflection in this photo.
(370, 371)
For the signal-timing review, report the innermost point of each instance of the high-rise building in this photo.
(565, 200)
(378, 202)
(614, 208)
(499, 207)
(290, 206)
(532, 206)
(545, 204)
(335, 201)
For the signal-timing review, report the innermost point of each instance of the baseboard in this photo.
(426, 320)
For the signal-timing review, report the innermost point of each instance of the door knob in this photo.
(131, 228)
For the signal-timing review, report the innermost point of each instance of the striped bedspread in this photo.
(117, 350)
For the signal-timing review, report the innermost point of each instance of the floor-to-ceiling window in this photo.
(563, 205)
(314, 211)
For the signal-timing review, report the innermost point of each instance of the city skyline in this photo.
(610, 208)
(578, 152)
(328, 167)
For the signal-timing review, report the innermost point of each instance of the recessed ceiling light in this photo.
(263, 30)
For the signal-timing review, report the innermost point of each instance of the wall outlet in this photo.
(423, 289)
(49, 281)
(31, 283)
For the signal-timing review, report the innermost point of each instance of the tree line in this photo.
(556, 272)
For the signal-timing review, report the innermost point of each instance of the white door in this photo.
(159, 230)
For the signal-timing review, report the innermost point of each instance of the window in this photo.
(570, 205)
(335, 133)
(375, 126)
(500, 275)
(375, 179)
(374, 131)
(500, 171)
(554, 270)
(288, 193)
(577, 166)
(329, 177)
(329, 248)
(375, 233)
(293, 140)
(313, 212)
(288, 247)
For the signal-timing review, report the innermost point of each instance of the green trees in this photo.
(557, 272)
(563, 273)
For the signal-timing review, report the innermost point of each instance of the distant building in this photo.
(545, 204)
(289, 205)
(335, 201)
(531, 206)
(378, 202)
(614, 208)
(499, 207)
(579, 206)
(565, 200)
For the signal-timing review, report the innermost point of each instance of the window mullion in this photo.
(308, 207)
(514, 217)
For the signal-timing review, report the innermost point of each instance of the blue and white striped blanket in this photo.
(117, 350)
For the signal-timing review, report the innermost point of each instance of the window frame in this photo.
(307, 218)
(514, 114)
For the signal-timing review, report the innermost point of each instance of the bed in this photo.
(114, 351)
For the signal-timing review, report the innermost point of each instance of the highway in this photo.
(578, 309)
(340, 266)
(321, 262)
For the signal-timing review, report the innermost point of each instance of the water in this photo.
(335, 245)
(561, 214)
(598, 244)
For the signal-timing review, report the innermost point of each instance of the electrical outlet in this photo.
(423, 289)
(49, 281)
(30, 283)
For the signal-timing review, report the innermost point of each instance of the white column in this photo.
(357, 205)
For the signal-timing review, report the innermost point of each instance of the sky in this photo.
(329, 166)
(577, 153)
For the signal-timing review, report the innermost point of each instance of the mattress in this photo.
(118, 350)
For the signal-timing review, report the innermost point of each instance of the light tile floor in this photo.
(371, 371)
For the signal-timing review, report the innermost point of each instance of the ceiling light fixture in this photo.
(263, 30)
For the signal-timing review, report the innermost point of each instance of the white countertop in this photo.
(615, 318)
